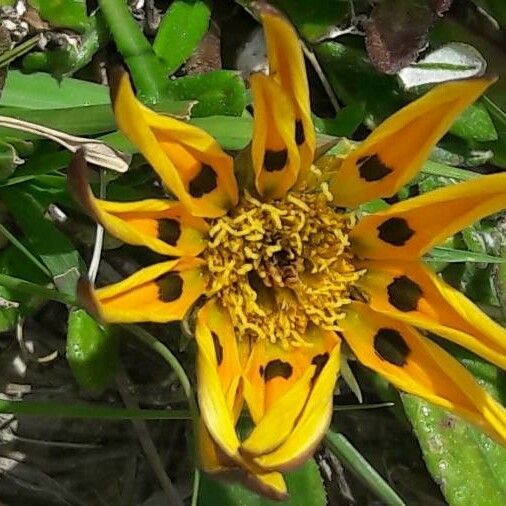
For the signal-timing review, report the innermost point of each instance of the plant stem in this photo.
(145, 68)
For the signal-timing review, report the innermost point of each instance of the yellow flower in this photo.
(287, 270)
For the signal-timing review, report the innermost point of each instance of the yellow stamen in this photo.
(281, 265)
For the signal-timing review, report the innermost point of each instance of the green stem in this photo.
(9, 56)
(93, 411)
(353, 460)
(146, 70)
(168, 356)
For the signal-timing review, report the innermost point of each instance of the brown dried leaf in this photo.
(440, 6)
(396, 33)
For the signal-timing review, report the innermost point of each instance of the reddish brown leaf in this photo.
(396, 33)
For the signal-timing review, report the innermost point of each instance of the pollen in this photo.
(279, 266)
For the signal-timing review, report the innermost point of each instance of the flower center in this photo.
(281, 265)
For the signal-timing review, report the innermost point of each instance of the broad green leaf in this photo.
(499, 118)
(63, 13)
(64, 61)
(344, 124)
(475, 124)
(304, 486)
(92, 350)
(12, 263)
(354, 80)
(469, 467)
(353, 460)
(9, 160)
(232, 133)
(45, 240)
(315, 19)
(181, 29)
(220, 92)
(41, 91)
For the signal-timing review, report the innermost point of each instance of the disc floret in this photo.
(279, 266)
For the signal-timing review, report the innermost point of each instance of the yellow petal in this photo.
(394, 152)
(159, 293)
(411, 292)
(418, 366)
(313, 421)
(274, 152)
(286, 66)
(163, 226)
(218, 373)
(213, 461)
(188, 160)
(269, 433)
(412, 227)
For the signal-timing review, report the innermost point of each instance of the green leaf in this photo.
(63, 13)
(92, 351)
(9, 160)
(346, 121)
(181, 29)
(29, 288)
(41, 91)
(304, 486)
(232, 133)
(220, 92)
(354, 80)
(88, 411)
(66, 60)
(317, 18)
(443, 254)
(499, 119)
(12, 263)
(52, 246)
(475, 124)
(353, 460)
(469, 467)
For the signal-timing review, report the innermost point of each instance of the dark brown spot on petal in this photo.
(371, 168)
(218, 348)
(395, 231)
(170, 287)
(277, 368)
(275, 160)
(261, 370)
(300, 136)
(169, 231)
(319, 361)
(389, 345)
(204, 182)
(404, 294)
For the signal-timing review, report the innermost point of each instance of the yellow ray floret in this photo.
(412, 227)
(411, 292)
(219, 375)
(161, 225)
(282, 388)
(274, 152)
(187, 159)
(416, 365)
(394, 152)
(284, 139)
(159, 293)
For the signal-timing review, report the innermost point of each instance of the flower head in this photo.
(289, 271)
